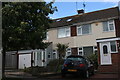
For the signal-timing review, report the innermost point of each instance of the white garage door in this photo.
(24, 61)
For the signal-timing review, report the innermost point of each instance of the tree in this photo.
(61, 49)
(24, 25)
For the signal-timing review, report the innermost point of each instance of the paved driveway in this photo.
(26, 76)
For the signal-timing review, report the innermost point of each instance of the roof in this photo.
(85, 17)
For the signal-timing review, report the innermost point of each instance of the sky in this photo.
(70, 8)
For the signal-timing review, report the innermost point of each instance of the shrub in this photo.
(94, 59)
(35, 70)
(54, 65)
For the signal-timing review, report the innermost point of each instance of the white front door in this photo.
(105, 55)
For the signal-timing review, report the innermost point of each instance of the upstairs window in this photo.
(63, 32)
(84, 29)
(108, 25)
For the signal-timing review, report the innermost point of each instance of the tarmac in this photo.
(97, 76)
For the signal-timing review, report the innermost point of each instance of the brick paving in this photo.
(103, 75)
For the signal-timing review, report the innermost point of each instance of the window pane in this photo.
(79, 30)
(54, 55)
(113, 46)
(105, 49)
(86, 29)
(61, 33)
(80, 48)
(88, 50)
(95, 47)
(48, 56)
(68, 53)
(105, 26)
(111, 26)
(39, 56)
(80, 53)
(96, 52)
(68, 50)
(67, 31)
(110, 21)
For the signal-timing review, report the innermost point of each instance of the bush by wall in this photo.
(94, 59)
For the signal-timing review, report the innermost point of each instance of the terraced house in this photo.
(82, 30)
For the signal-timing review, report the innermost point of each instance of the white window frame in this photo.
(66, 28)
(108, 22)
(80, 51)
(80, 26)
(68, 51)
(56, 55)
(49, 54)
(111, 48)
(80, 30)
(94, 49)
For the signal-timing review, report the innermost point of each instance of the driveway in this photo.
(53, 76)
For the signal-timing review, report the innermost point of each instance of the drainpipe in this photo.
(119, 43)
(118, 59)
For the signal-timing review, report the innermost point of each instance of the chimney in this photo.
(80, 11)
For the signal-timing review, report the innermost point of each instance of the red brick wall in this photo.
(73, 31)
(110, 68)
(98, 53)
(117, 27)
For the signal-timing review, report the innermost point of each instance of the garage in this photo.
(24, 61)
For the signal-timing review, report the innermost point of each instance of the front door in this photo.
(105, 55)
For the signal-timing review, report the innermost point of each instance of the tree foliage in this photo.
(61, 49)
(25, 24)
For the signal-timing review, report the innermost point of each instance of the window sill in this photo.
(108, 31)
(63, 37)
(114, 52)
(84, 34)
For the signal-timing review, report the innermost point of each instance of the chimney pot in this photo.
(80, 11)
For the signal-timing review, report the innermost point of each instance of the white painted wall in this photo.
(24, 61)
(81, 40)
